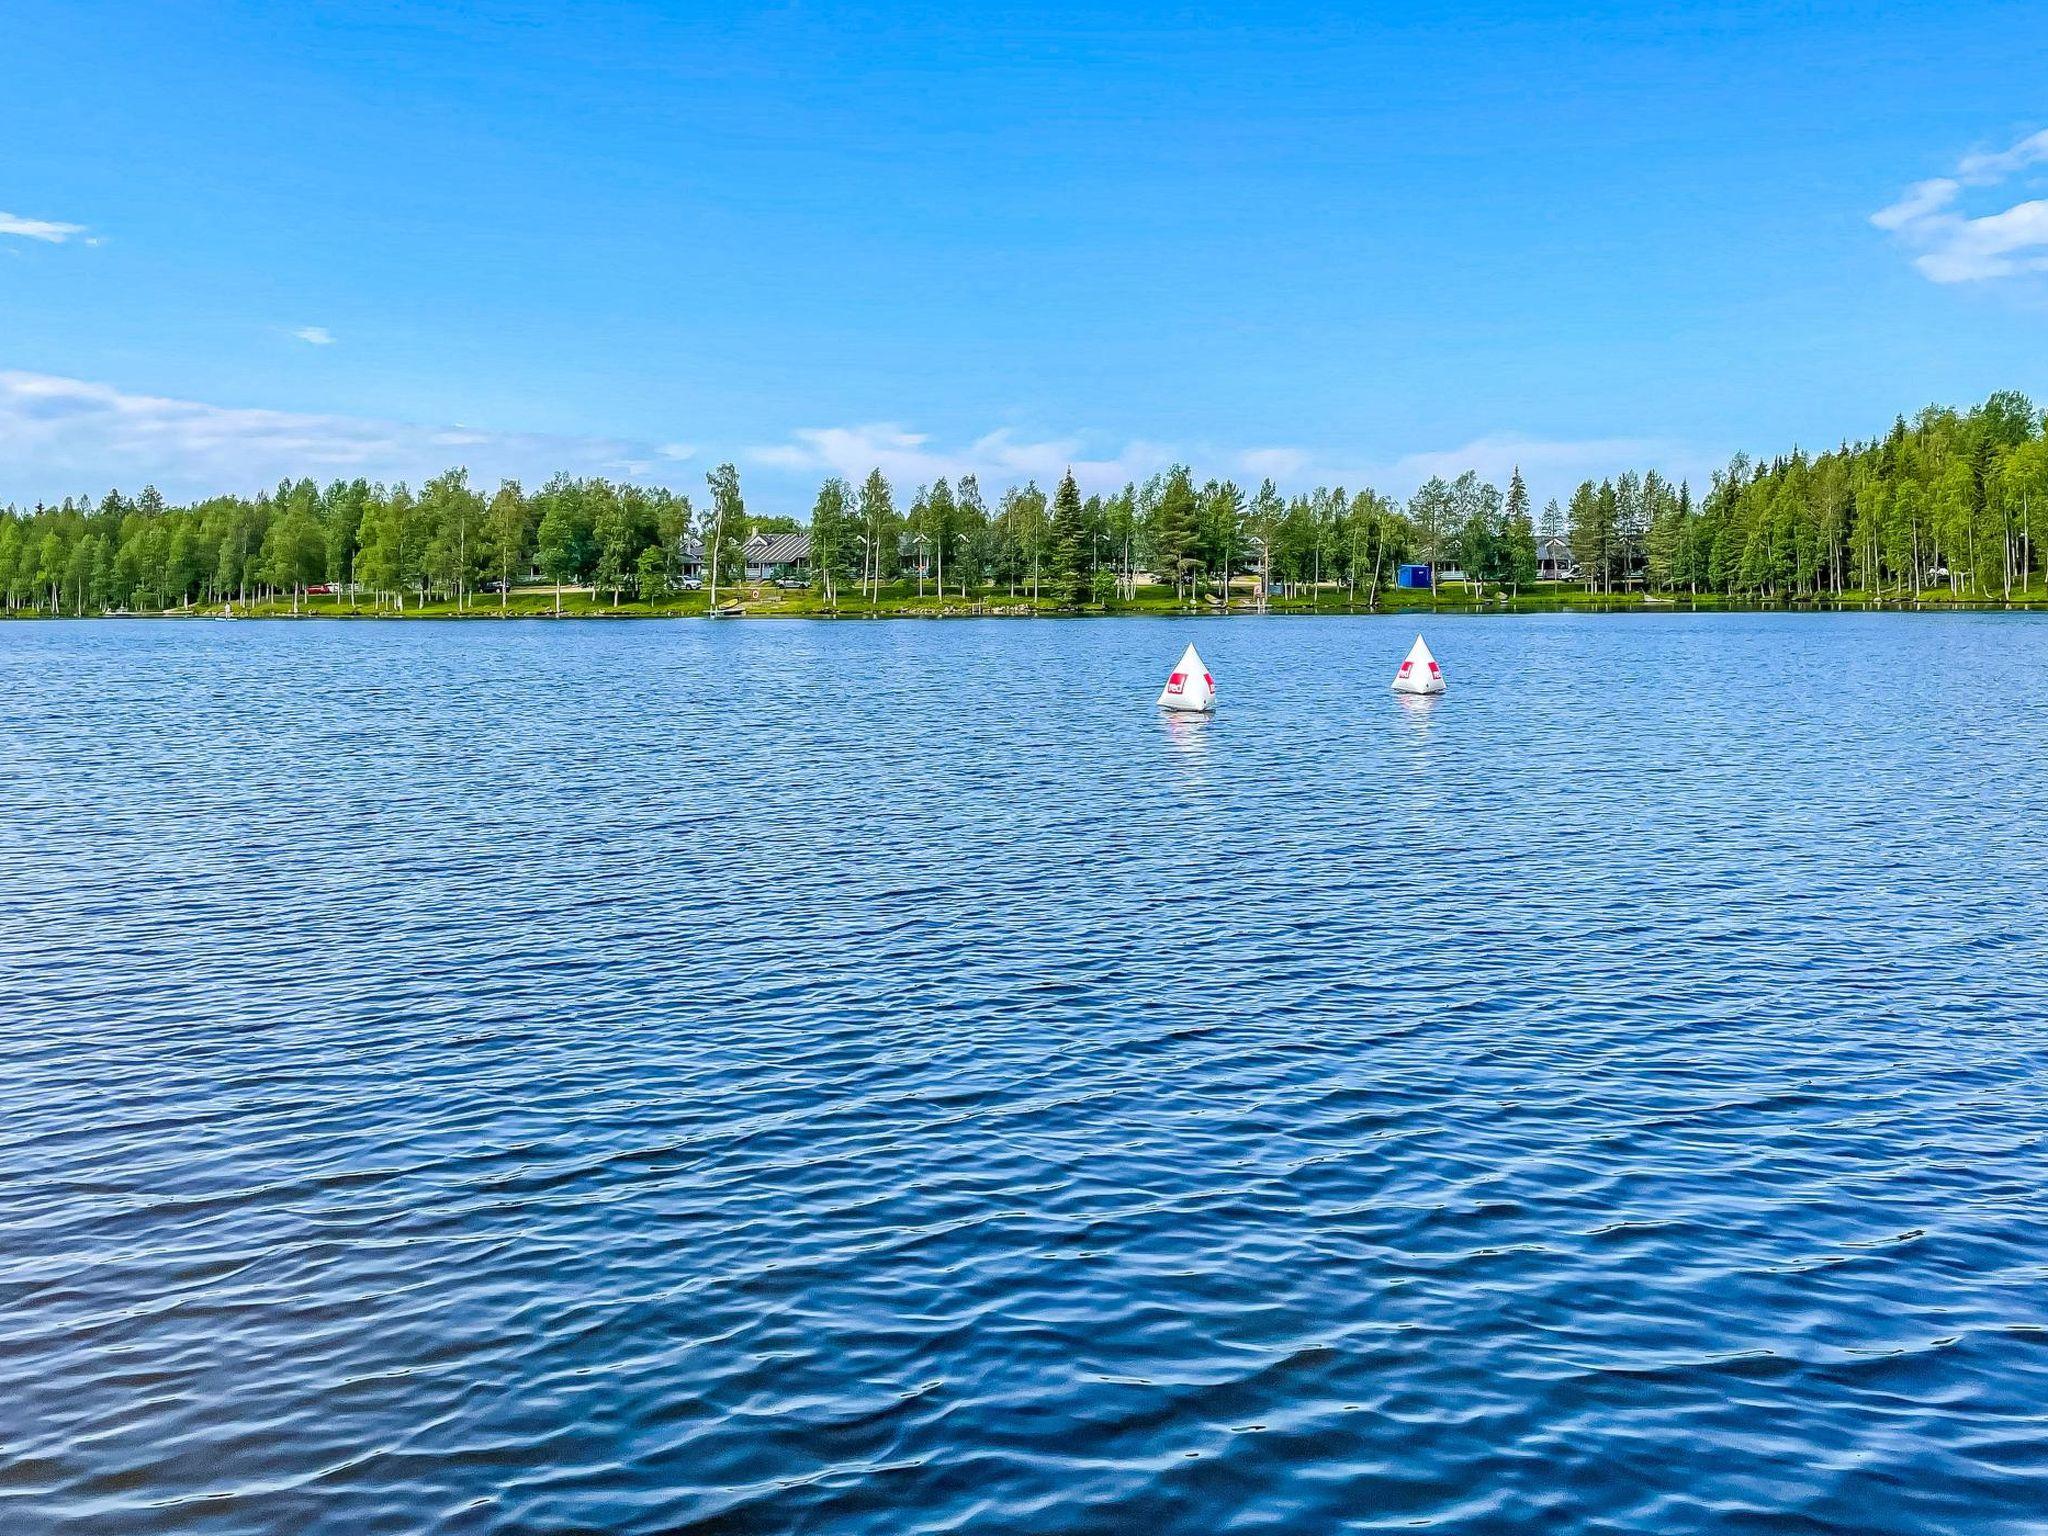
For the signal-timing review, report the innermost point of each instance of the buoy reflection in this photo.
(1188, 747)
(1418, 708)
(1187, 734)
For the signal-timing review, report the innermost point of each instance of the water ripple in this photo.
(521, 1078)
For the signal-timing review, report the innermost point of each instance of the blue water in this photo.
(885, 1077)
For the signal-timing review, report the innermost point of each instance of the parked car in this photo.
(792, 583)
(692, 583)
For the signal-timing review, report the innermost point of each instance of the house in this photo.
(779, 557)
(769, 557)
(1553, 559)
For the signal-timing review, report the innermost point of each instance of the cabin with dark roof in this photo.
(779, 557)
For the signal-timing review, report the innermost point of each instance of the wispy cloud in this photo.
(61, 435)
(315, 335)
(1547, 461)
(50, 231)
(1551, 466)
(999, 457)
(1954, 246)
(1274, 463)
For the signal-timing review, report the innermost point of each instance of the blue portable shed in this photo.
(1412, 576)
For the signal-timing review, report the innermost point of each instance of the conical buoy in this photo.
(1191, 687)
(1419, 673)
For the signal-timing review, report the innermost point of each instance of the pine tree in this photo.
(1517, 548)
(1518, 497)
(1174, 529)
(1432, 509)
(971, 555)
(1069, 572)
(1263, 522)
(1607, 527)
(941, 530)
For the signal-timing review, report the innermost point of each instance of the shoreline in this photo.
(932, 609)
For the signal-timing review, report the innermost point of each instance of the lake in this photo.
(886, 1077)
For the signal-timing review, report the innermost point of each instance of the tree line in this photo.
(1954, 498)
(1957, 499)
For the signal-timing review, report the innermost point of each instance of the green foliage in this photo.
(566, 542)
(1070, 581)
(1023, 529)
(508, 537)
(880, 531)
(1173, 528)
(1433, 512)
(1950, 506)
(1516, 564)
(834, 543)
(723, 529)
(452, 516)
(651, 573)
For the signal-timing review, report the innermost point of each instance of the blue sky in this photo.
(1334, 244)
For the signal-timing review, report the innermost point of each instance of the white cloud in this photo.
(999, 457)
(48, 230)
(1274, 463)
(1552, 462)
(1987, 169)
(60, 435)
(1952, 246)
(1551, 466)
(1923, 200)
(315, 335)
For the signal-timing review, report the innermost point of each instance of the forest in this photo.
(1955, 500)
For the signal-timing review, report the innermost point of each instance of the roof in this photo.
(762, 549)
(779, 549)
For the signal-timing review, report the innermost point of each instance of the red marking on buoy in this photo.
(1432, 668)
(1174, 682)
(1404, 668)
(1208, 681)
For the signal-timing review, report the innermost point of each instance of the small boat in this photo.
(1419, 673)
(725, 611)
(1190, 688)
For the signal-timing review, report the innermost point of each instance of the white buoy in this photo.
(1191, 687)
(1419, 673)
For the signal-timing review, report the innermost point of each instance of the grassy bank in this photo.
(902, 600)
